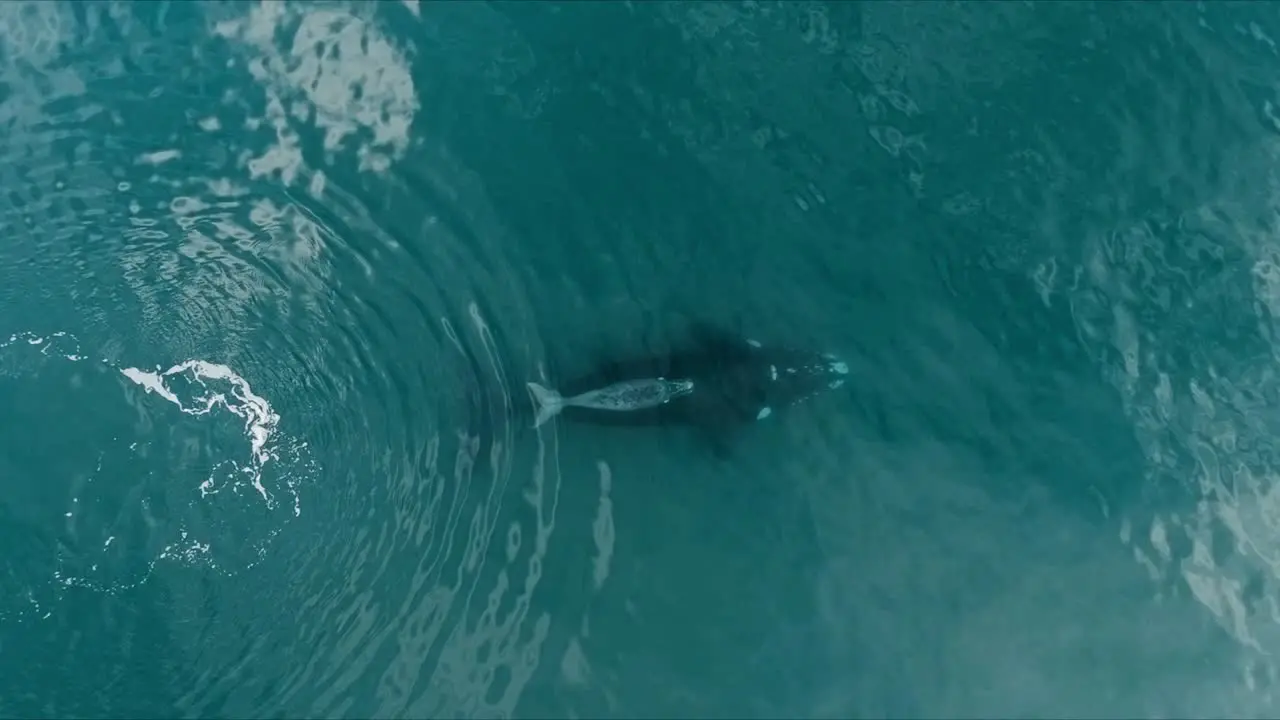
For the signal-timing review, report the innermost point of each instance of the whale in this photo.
(726, 381)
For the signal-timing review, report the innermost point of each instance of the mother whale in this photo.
(716, 382)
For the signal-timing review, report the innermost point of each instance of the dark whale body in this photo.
(736, 382)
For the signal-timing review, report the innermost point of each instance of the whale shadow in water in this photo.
(736, 381)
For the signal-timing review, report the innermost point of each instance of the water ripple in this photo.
(297, 332)
(275, 253)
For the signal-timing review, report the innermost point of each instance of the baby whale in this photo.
(715, 382)
(624, 396)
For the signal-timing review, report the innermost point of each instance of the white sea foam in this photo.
(259, 419)
(139, 507)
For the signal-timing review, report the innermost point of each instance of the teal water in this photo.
(274, 276)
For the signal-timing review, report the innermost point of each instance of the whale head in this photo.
(789, 377)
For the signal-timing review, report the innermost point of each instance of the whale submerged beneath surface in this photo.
(735, 381)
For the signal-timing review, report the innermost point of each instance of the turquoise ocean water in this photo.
(273, 277)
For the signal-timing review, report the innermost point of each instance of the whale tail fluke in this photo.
(548, 402)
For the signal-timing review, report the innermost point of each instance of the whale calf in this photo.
(733, 381)
(624, 396)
